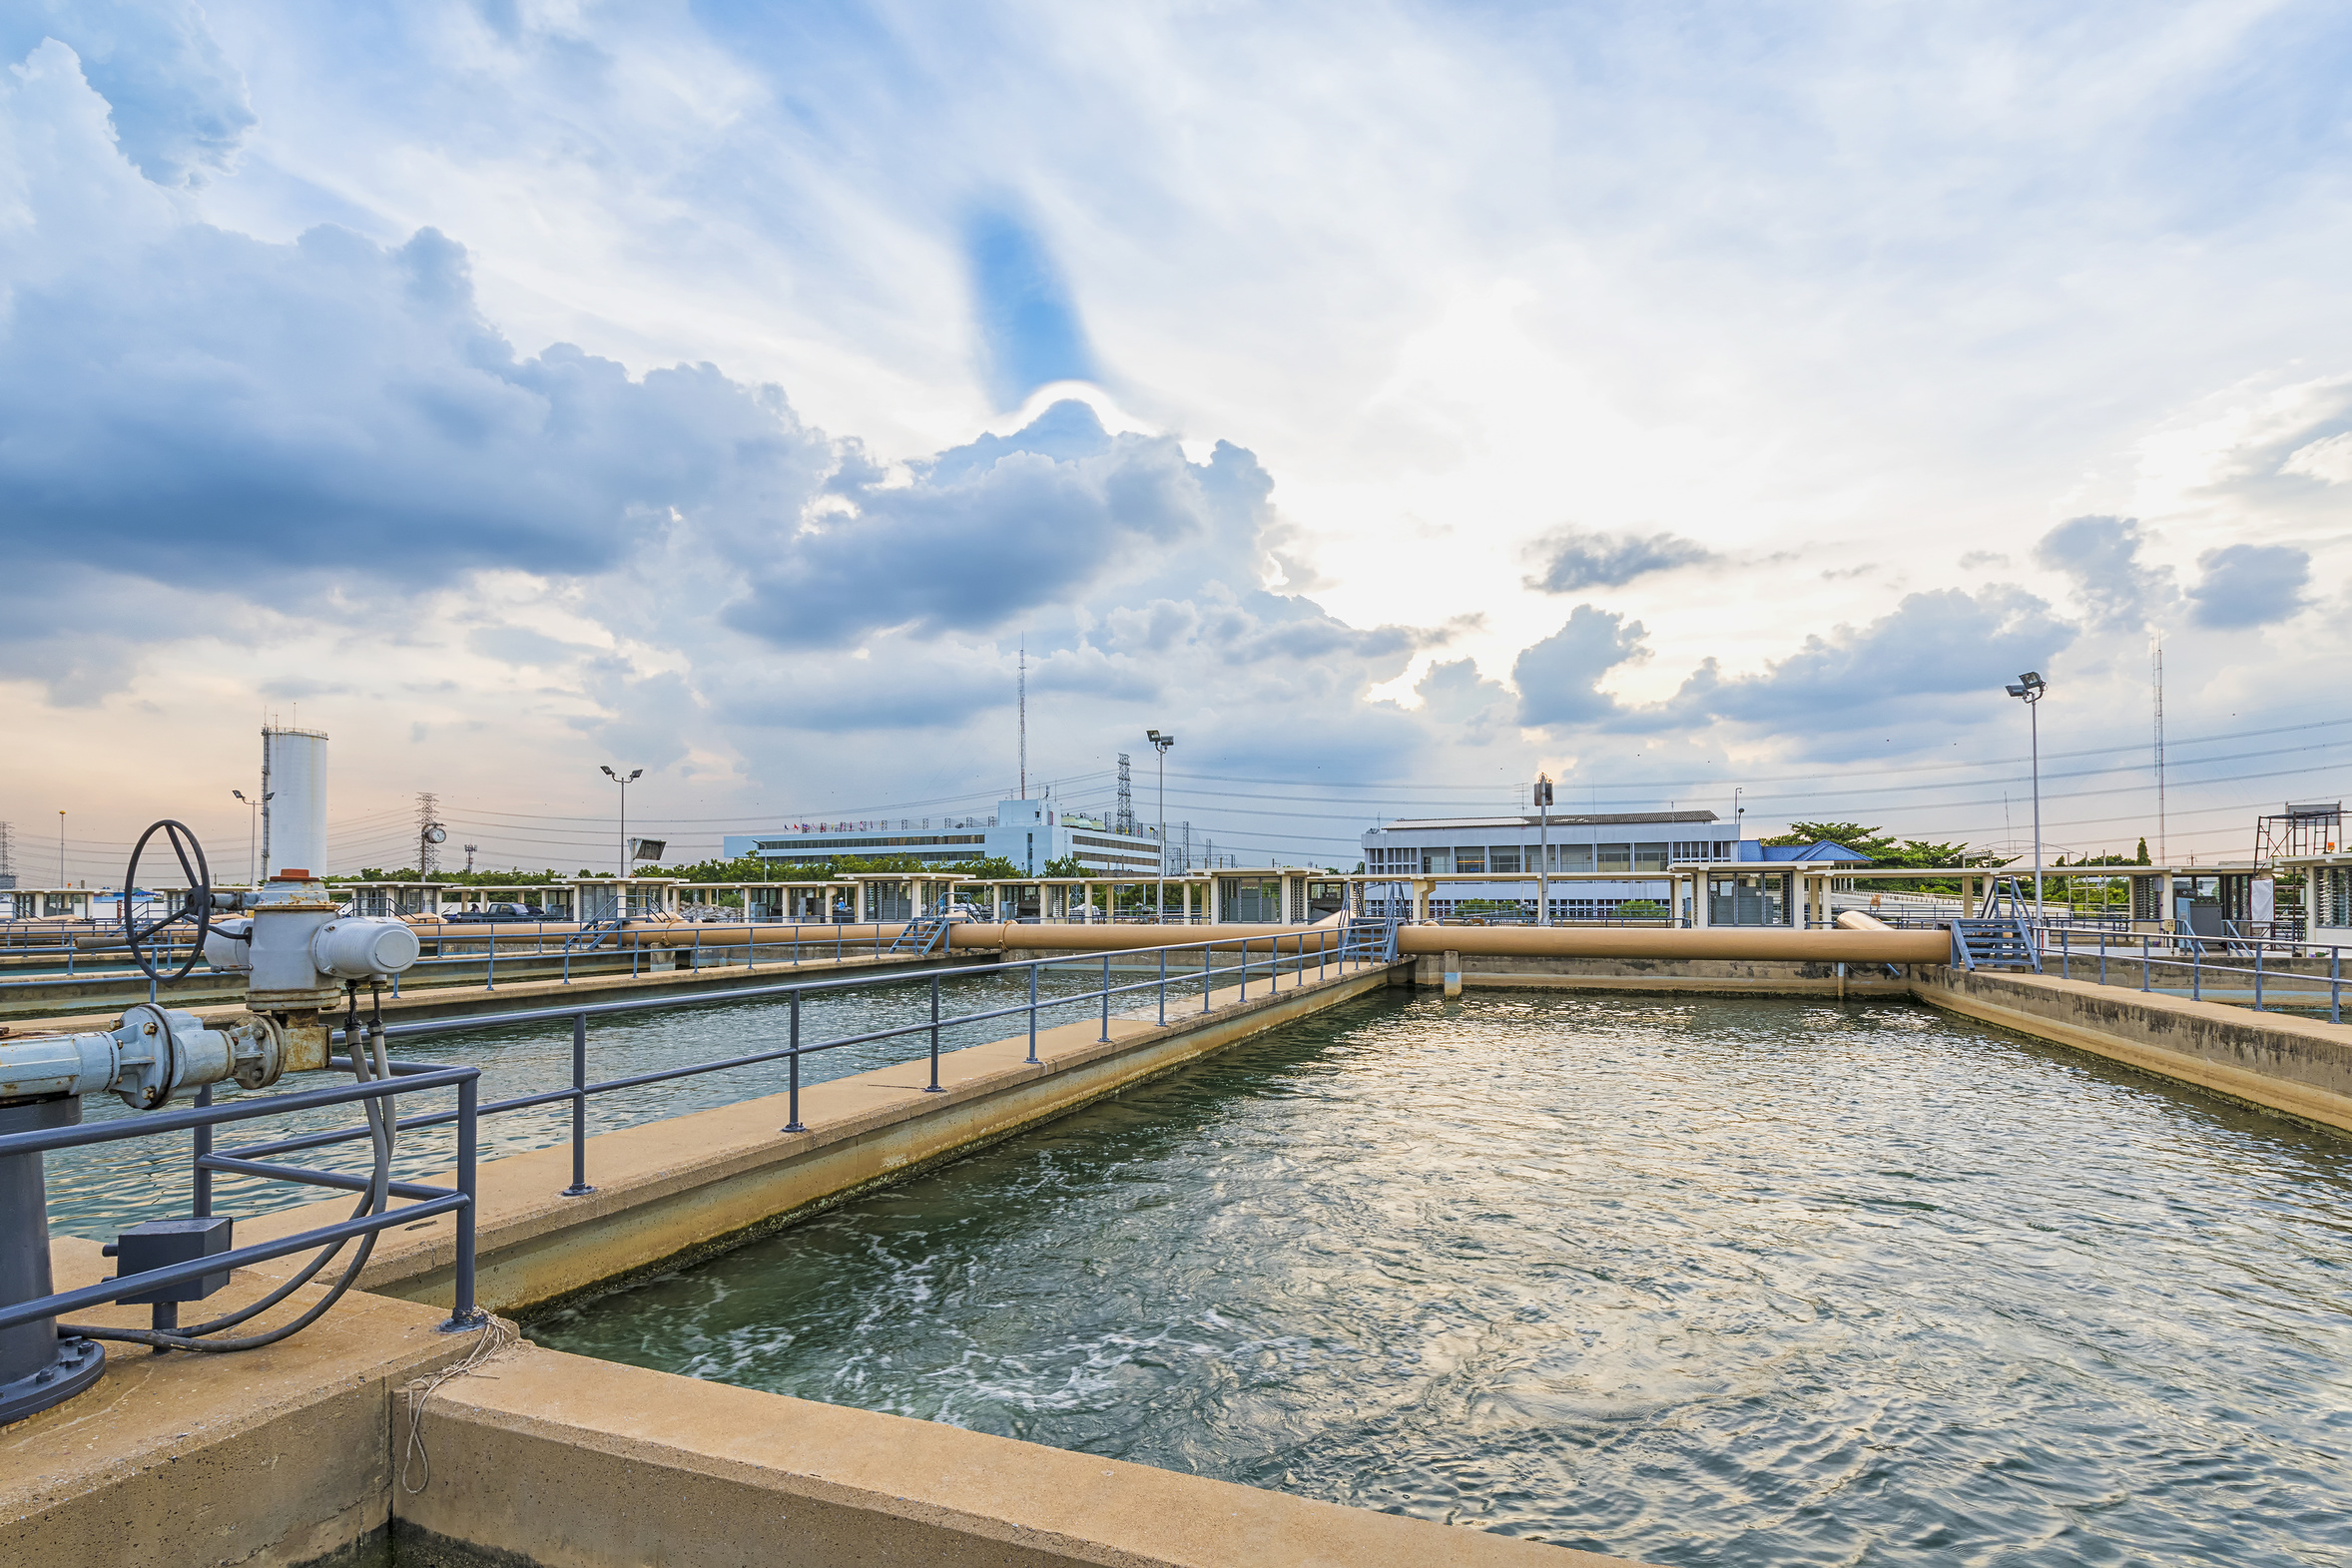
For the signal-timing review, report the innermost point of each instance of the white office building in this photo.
(1029, 833)
(1628, 841)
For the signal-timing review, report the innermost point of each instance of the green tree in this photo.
(994, 869)
(2143, 859)
(1067, 865)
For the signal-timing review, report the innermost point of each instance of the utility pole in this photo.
(1160, 744)
(2156, 664)
(634, 775)
(1542, 848)
(1025, 709)
(60, 849)
(2030, 688)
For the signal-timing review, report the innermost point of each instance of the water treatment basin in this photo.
(1696, 1281)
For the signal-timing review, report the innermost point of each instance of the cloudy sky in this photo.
(1390, 401)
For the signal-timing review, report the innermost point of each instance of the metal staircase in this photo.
(922, 938)
(2001, 943)
(1374, 941)
(595, 935)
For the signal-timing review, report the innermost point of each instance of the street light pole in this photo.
(634, 775)
(253, 834)
(1160, 744)
(2030, 688)
(1542, 848)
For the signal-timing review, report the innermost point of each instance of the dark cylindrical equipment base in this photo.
(36, 1368)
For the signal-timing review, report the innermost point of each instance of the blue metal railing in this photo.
(1298, 957)
(1266, 960)
(201, 1118)
(2206, 957)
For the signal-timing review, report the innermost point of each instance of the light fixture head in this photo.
(240, 794)
(636, 775)
(607, 772)
(1153, 735)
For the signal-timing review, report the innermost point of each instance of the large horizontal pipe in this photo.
(1720, 941)
(1125, 938)
(1882, 945)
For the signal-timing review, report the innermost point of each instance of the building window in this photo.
(1572, 857)
(1503, 857)
(1649, 858)
(1470, 857)
(1436, 863)
(1617, 857)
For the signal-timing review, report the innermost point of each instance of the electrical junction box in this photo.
(158, 1244)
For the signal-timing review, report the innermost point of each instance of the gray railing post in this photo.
(2196, 974)
(1033, 1014)
(2335, 985)
(579, 1187)
(1163, 989)
(1208, 972)
(934, 1087)
(2259, 946)
(1106, 997)
(204, 1145)
(490, 964)
(792, 1125)
(1244, 969)
(2143, 961)
(463, 1316)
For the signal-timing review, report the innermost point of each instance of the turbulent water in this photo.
(1700, 1283)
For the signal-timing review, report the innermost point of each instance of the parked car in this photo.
(489, 913)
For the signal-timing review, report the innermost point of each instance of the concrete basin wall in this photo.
(2299, 1066)
(575, 1463)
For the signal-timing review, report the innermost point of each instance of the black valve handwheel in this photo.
(197, 910)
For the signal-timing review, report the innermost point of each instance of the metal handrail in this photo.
(1322, 947)
(2149, 956)
(201, 1117)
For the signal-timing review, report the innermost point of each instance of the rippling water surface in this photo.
(1706, 1282)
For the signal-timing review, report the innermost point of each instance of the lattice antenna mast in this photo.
(7, 848)
(1126, 817)
(1025, 706)
(2156, 674)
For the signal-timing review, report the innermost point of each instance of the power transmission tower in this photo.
(1126, 819)
(1187, 846)
(8, 854)
(429, 833)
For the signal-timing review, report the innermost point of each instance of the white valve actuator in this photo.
(345, 947)
(364, 947)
